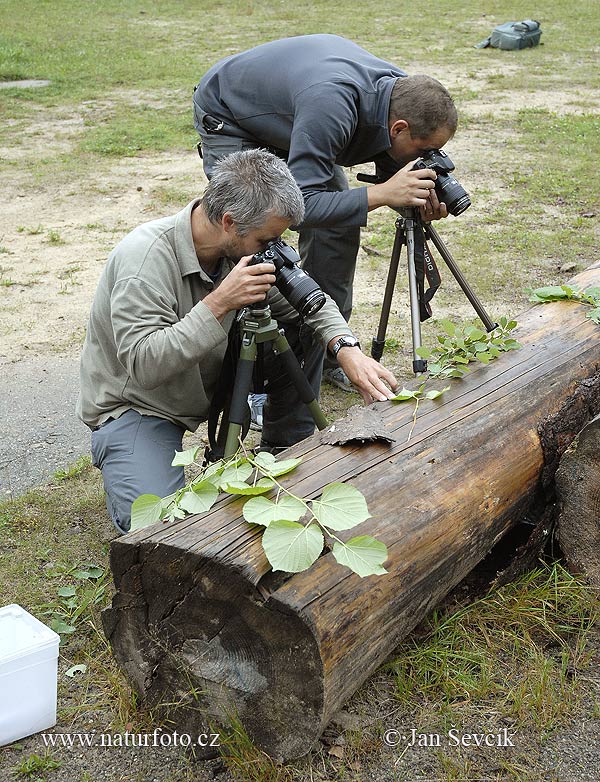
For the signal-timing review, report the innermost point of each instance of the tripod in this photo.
(257, 327)
(407, 224)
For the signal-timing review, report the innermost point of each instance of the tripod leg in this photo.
(239, 400)
(378, 342)
(461, 279)
(298, 378)
(419, 364)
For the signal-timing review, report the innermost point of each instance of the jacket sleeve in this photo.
(152, 343)
(325, 120)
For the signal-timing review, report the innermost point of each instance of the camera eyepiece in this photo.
(301, 291)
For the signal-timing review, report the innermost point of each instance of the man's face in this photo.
(255, 240)
(406, 148)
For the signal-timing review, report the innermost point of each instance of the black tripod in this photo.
(257, 327)
(407, 226)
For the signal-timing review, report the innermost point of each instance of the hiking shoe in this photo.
(256, 403)
(337, 377)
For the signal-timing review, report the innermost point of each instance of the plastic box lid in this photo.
(21, 633)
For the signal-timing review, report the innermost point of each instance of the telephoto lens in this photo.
(301, 291)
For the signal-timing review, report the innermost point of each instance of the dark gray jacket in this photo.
(321, 99)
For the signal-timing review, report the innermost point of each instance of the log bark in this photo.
(578, 493)
(199, 621)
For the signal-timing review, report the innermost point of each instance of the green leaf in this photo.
(67, 591)
(61, 627)
(404, 395)
(433, 394)
(363, 554)
(341, 507)
(183, 458)
(448, 327)
(199, 498)
(549, 293)
(290, 546)
(485, 358)
(273, 467)
(423, 352)
(594, 315)
(240, 487)
(95, 572)
(76, 669)
(82, 575)
(236, 473)
(146, 509)
(260, 510)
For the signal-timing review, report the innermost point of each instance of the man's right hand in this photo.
(407, 187)
(242, 286)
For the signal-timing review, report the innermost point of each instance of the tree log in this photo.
(578, 493)
(200, 622)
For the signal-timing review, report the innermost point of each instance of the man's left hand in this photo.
(433, 208)
(370, 378)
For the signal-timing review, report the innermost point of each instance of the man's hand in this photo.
(371, 379)
(410, 188)
(242, 286)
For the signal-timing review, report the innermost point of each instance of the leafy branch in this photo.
(457, 348)
(295, 529)
(591, 297)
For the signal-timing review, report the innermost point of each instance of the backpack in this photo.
(513, 35)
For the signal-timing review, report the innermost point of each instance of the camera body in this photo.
(301, 291)
(448, 189)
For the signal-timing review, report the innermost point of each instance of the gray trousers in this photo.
(328, 254)
(134, 453)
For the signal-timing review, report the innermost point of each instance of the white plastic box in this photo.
(28, 674)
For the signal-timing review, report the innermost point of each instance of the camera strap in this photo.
(425, 268)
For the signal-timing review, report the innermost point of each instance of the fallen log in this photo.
(200, 622)
(578, 495)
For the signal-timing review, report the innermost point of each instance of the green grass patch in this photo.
(521, 647)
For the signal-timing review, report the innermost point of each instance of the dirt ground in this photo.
(54, 239)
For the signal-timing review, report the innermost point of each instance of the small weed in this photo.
(73, 470)
(36, 764)
(54, 237)
(245, 762)
(74, 601)
(5, 251)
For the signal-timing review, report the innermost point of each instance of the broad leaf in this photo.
(66, 591)
(269, 464)
(594, 315)
(260, 510)
(363, 554)
(433, 394)
(61, 627)
(200, 498)
(240, 487)
(404, 395)
(236, 473)
(341, 507)
(183, 458)
(423, 352)
(146, 509)
(290, 546)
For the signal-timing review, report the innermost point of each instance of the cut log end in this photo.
(215, 647)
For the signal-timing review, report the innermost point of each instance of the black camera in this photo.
(448, 189)
(299, 289)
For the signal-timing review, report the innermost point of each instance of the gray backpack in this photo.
(513, 35)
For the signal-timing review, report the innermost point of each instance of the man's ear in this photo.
(397, 127)
(228, 222)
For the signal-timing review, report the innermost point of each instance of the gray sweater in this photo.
(152, 345)
(320, 99)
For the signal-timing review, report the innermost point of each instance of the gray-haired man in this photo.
(159, 324)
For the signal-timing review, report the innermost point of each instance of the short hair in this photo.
(252, 186)
(424, 103)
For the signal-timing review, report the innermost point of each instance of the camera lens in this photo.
(452, 193)
(300, 290)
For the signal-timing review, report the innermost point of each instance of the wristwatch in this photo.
(344, 342)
